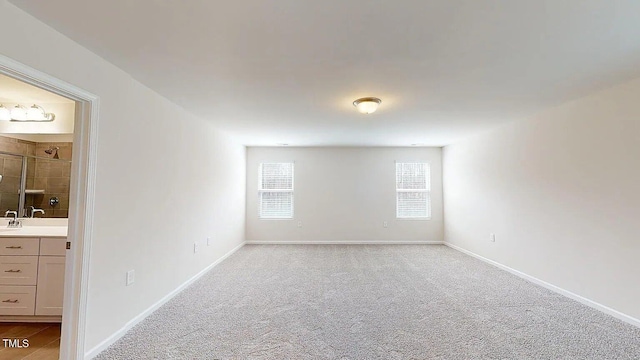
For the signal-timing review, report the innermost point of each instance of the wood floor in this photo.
(43, 339)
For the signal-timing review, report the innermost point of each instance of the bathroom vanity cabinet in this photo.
(32, 278)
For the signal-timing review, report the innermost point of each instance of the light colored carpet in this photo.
(371, 302)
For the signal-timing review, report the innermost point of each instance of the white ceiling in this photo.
(286, 71)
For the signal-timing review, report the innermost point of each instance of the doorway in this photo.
(80, 203)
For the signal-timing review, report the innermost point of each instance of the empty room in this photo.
(262, 179)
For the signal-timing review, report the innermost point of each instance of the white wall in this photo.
(562, 193)
(344, 194)
(164, 180)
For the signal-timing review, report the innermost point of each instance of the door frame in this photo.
(81, 200)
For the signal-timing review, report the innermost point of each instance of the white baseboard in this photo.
(605, 309)
(344, 242)
(133, 322)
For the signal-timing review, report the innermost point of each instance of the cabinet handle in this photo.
(10, 301)
(14, 247)
(13, 271)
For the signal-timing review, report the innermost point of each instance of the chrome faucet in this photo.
(33, 211)
(13, 223)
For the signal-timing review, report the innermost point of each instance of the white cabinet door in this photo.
(50, 288)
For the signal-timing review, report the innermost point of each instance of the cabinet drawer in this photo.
(19, 246)
(18, 270)
(53, 246)
(17, 300)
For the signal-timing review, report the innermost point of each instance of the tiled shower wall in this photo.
(52, 176)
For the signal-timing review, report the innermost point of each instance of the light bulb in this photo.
(19, 113)
(35, 112)
(5, 114)
(367, 107)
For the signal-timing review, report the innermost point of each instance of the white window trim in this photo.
(261, 190)
(414, 218)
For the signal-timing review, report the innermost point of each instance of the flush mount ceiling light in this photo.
(21, 113)
(367, 105)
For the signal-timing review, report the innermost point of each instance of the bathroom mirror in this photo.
(35, 177)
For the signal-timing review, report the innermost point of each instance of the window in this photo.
(413, 191)
(275, 190)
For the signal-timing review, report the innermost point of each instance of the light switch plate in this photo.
(209, 241)
(195, 247)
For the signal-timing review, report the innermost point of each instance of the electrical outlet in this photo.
(299, 223)
(492, 237)
(195, 247)
(209, 241)
(131, 277)
(384, 224)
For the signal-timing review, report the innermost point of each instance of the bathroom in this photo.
(36, 146)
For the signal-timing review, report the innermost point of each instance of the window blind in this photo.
(275, 190)
(413, 190)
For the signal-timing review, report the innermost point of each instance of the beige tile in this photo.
(63, 188)
(60, 213)
(40, 183)
(41, 172)
(55, 172)
(28, 201)
(31, 172)
(57, 181)
(42, 202)
(8, 203)
(7, 140)
(65, 153)
(43, 164)
(26, 142)
(12, 167)
(66, 169)
(14, 148)
(10, 185)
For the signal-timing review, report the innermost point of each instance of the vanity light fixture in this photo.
(21, 113)
(367, 105)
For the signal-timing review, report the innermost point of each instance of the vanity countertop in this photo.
(34, 231)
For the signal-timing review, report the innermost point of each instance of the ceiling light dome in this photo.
(367, 105)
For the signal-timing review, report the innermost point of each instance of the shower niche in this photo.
(34, 176)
